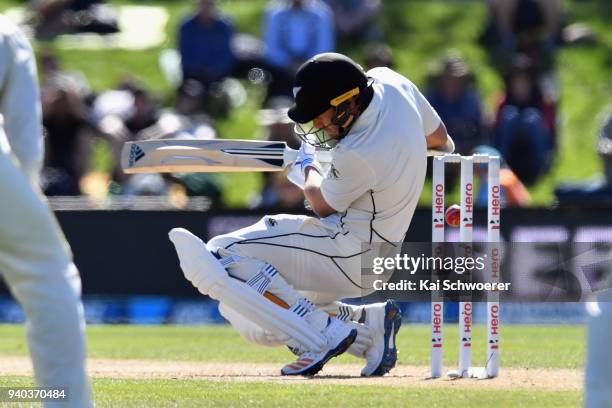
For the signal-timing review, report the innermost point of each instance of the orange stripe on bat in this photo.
(275, 299)
(280, 302)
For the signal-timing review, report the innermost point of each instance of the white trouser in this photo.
(315, 260)
(311, 256)
(36, 263)
(598, 378)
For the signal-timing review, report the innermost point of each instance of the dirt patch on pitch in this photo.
(347, 374)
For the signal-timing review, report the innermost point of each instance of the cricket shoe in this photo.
(384, 319)
(339, 336)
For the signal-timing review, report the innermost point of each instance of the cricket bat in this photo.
(208, 156)
(211, 156)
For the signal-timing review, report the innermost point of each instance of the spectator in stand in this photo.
(525, 123)
(52, 72)
(206, 54)
(277, 191)
(120, 114)
(67, 128)
(531, 27)
(453, 95)
(513, 192)
(132, 113)
(54, 17)
(145, 109)
(355, 19)
(598, 191)
(277, 124)
(378, 55)
(185, 120)
(294, 31)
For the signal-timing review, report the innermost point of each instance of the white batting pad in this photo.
(207, 274)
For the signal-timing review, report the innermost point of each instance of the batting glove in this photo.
(306, 158)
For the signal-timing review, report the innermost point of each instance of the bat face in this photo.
(189, 155)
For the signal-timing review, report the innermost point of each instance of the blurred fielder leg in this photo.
(35, 262)
(35, 259)
(598, 380)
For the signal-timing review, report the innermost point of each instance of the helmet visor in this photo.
(312, 135)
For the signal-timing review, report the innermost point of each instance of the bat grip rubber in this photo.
(289, 156)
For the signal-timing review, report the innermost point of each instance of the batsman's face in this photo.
(324, 122)
(320, 131)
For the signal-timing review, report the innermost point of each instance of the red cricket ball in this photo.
(453, 215)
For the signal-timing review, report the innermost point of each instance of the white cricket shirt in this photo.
(378, 169)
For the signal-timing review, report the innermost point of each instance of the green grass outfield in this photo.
(551, 349)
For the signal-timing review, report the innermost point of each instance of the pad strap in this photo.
(262, 279)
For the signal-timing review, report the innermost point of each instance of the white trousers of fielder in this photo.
(36, 263)
(598, 372)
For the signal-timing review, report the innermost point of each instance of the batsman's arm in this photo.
(439, 138)
(312, 192)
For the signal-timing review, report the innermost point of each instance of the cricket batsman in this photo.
(280, 281)
(35, 260)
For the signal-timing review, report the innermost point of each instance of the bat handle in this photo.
(289, 156)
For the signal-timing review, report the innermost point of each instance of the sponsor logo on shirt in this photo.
(334, 173)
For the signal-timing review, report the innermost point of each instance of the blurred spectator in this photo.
(185, 120)
(531, 27)
(513, 192)
(277, 124)
(597, 192)
(378, 55)
(120, 114)
(206, 53)
(354, 19)
(152, 184)
(279, 193)
(52, 72)
(55, 17)
(132, 113)
(293, 31)
(145, 110)
(525, 123)
(67, 128)
(579, 34)
(184, 184)
(201, 184)
(205, 44)
(453, 95)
